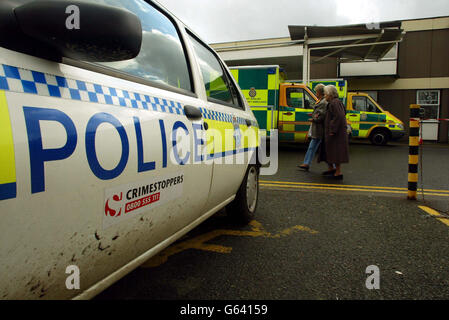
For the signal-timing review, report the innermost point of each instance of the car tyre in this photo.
(379, 138)
(242, 209)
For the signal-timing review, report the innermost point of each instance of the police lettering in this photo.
(40, 155)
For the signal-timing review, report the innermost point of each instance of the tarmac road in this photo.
(314, 243)
(370, 165)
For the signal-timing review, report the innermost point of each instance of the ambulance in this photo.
(287, 106)
(119, 133)
(370, 121)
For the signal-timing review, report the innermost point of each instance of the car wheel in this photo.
(243, 208)
(379, 138)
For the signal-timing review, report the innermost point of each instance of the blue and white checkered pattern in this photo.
(34, 82)
(220, 116)
(215, 115)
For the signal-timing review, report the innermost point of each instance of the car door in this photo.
(227, 148)
(295, 111)
(104, 172)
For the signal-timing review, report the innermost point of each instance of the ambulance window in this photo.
(298, 98)
(359, 103)
(218, 86)
(309, 101)
(372, 107)
(162, 58)
(364, 104)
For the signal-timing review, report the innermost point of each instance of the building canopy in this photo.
(351, 42)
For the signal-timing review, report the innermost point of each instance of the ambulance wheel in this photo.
(242, 209)
(379, 137)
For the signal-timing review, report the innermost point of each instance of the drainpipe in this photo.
(305, 58)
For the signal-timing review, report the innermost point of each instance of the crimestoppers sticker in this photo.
(126, 201)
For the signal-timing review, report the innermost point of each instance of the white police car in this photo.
(120, 131)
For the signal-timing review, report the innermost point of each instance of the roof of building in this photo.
(361, 41)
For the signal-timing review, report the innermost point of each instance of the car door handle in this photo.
(353, 115)
(192, 112)
(288, 113)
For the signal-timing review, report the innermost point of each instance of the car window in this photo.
(299, 98)
(359, 103)
(309, 101)
(216, 81)
(162, 57)
(371, 107)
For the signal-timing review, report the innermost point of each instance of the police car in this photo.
(120, 131)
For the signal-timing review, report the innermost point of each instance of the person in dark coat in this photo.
(335, 150)
(316, 128)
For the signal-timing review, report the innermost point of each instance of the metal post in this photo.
(413, 158)
(305, 63)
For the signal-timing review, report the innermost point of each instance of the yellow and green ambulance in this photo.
(260, 86)
(370, 121)
(288, 105)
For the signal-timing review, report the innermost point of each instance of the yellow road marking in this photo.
(434, 213)
(198, 242)
(345, 186)
(345, 189)
(327, 188)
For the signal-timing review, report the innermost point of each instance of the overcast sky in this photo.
(233, 20)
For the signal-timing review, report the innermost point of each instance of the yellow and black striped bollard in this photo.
(413, 158)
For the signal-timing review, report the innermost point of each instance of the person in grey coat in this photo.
(335, 149)
(317, 127)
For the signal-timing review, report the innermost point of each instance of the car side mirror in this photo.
(50, 29)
